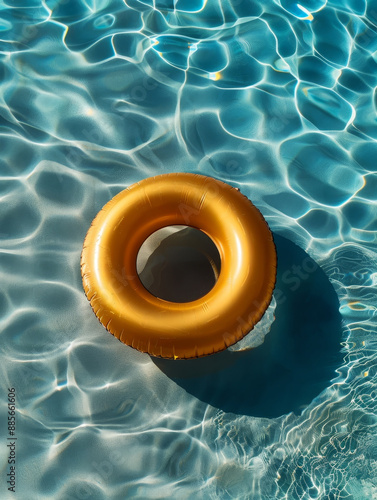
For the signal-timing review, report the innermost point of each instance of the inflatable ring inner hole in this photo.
(178, 263)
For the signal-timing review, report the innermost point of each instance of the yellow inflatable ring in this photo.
(179, 330)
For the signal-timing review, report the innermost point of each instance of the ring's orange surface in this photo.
(168, 329)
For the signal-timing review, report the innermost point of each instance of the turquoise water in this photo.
(279, 100)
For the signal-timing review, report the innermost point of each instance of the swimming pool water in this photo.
(276, 98)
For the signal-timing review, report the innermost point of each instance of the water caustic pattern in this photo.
(277, 98)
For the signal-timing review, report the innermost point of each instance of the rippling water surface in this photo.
(276, 98)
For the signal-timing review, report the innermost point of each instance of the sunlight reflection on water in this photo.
(274, 98)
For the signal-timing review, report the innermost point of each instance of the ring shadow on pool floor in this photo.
(295, 363)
